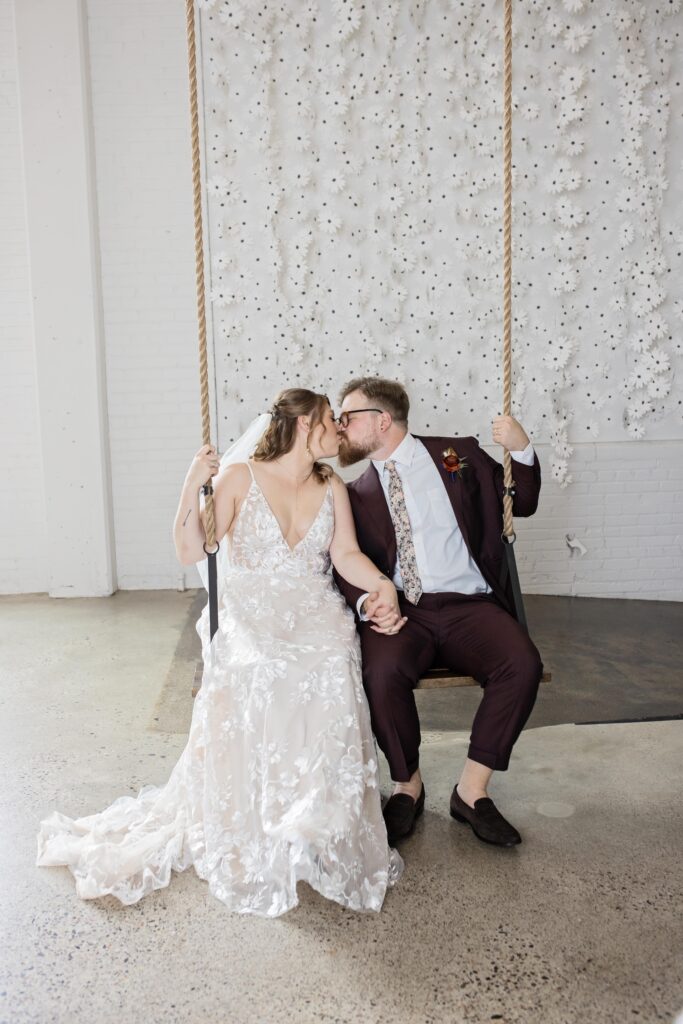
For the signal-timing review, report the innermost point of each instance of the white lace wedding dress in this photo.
(278, 781)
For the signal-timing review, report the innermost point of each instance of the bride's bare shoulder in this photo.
(234, 480)
(339, 488)
(230, 488)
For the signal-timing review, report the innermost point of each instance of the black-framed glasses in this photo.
(343, 418)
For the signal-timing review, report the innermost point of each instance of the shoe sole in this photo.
(404, 835)
(491, 842)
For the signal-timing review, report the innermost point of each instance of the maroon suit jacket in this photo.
(477, 500)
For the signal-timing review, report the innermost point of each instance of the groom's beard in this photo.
(349, 454)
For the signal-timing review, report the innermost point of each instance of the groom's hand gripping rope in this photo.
(510, 433)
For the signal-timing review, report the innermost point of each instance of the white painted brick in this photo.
(139, 84)
(22, 512)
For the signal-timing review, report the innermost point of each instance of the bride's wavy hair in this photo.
(280, 435)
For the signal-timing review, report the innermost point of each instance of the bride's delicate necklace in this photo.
(292, 477)
(298, 484)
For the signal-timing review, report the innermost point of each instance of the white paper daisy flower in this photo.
(569, 213)
(393, 198)
(224, 188)
(577, 37)
(572, 78)
(329, 222)
(334, 181)
(627, 233)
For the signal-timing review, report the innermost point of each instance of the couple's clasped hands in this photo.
(382, 609)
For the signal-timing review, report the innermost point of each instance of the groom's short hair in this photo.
(388, 394)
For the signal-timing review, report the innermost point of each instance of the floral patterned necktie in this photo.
(412, 584)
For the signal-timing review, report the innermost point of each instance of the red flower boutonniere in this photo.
(452, 462)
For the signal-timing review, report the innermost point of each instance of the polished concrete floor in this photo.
(581, 923)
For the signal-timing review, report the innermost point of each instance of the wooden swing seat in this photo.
(443, 678)
(435, 679)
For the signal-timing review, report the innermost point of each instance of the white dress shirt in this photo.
(443, 560)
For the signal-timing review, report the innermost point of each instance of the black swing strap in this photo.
(207, 489)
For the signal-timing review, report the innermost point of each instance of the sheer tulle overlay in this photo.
(278, 781)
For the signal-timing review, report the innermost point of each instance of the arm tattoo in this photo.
(186, 517)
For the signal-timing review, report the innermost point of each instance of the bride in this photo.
(278, 781)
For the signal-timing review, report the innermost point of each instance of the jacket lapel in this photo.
(377, 518)
(459, 491)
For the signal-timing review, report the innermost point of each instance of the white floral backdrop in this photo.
(353, 157)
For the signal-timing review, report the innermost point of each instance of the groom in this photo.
(437, 534)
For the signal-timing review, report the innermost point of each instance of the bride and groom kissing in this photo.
(278, 781)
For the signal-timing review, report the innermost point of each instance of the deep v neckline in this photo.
(276, 520)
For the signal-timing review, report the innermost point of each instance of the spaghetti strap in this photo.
(251, 470)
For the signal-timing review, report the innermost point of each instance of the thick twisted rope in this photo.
(199, 261)
(508, 528)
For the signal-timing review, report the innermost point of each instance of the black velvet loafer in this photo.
(400, 814)
(485, 820)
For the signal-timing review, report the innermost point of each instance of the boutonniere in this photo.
(452, 462)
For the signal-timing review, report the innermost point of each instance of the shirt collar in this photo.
(403, 453)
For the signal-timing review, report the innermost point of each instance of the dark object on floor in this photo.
(400, 814)
(485, 820)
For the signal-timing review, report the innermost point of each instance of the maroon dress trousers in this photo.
(471, 634)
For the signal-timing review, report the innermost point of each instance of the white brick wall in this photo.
(22, 505)
(141, 113)
(624, 505)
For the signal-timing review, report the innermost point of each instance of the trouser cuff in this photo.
(498, 762)
(405, 771)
